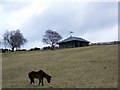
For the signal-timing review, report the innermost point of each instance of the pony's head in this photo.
(49, 79)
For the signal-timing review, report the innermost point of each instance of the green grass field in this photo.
(84, 67)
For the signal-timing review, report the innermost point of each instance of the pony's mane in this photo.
(44, 73)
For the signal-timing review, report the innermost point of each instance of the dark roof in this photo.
(73, 39)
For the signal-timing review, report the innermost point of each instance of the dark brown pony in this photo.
(39, 75)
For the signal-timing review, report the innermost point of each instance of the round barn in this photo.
(72, 42)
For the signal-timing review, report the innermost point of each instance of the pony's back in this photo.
(41, 72)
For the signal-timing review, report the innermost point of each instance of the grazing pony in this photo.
(39, 75)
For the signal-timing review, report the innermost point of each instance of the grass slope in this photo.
(85, 67)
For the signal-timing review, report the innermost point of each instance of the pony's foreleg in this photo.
(39, 82)
(42, 82)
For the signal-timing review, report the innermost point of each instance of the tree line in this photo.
(15, 39)
(106, 43)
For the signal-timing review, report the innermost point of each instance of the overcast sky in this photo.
(95, 21)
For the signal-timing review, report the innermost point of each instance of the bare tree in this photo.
(14, 39)
(51, 37)
(6, 39)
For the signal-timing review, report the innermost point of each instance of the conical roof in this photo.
(73, 39)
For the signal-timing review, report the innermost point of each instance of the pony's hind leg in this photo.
(32, 81)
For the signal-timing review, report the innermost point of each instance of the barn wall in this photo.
(67, 45)
(73, 44)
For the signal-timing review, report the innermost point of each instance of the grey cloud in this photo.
(66, 17)
(69, 17)
(99, 15)
(61, 18)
